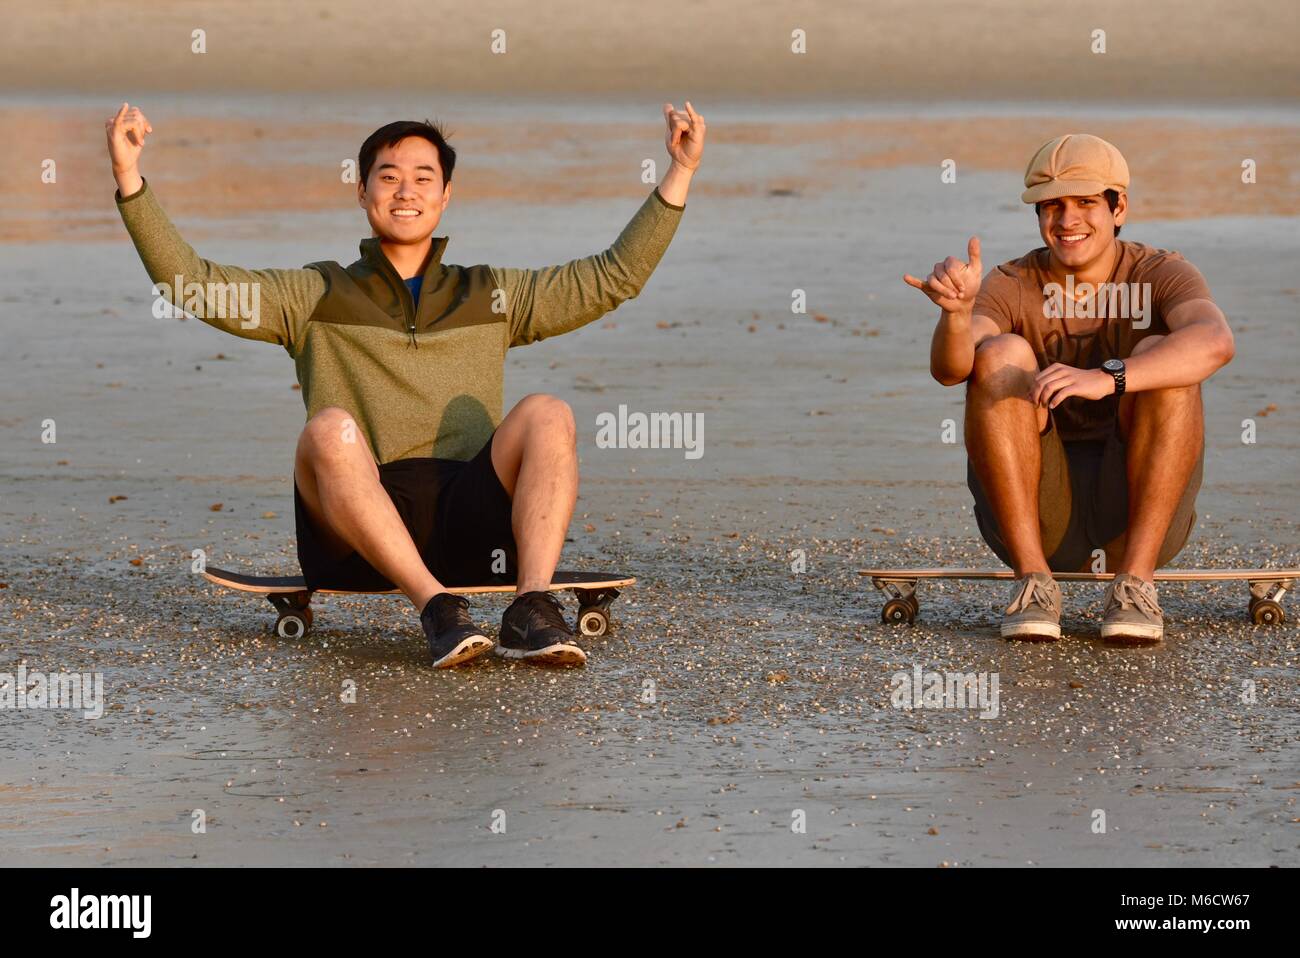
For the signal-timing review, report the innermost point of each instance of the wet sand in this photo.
(261, 169)
(923, 51)
(822, 433)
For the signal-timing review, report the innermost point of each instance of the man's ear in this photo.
(446, 195)
(1121, 208)
(361, 195)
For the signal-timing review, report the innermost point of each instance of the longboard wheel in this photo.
(898, 611)
(293, 625)
(593, 622)
(1266, 612)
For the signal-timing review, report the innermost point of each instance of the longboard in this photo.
(1267, 586)
(292, 600)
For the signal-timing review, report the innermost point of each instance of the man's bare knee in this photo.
(1003, 366)
(997, 353)
(548, 415)
(330, 437)
(1176, 409)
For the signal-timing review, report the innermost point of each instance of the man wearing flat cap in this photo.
(1083, 361)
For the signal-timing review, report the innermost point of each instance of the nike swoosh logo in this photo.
(522, 633)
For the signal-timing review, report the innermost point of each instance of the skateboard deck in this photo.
(1267, 586)
(292, 600)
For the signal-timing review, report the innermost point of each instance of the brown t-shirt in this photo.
(1107, 325)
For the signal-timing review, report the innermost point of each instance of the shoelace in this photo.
(1036, 593)
(452, 611)
(1134, 593)
(544, 610)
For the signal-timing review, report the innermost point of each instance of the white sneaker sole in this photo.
(1132, 633)
(469, 648)
(1032, 631)
(559, 653)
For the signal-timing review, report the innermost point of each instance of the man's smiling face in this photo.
(1079, 230)
(404, 195)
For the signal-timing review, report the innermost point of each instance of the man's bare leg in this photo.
(1002, 440)
(1164, 430)
(535, 454)
(339, 484)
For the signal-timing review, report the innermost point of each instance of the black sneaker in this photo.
(453, 636)
(533, 628)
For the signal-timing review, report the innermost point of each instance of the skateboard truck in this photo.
(1266, 601)
(593, 610)
(295, 613)
(901, 604)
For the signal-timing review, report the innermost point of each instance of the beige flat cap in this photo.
(1076, 164)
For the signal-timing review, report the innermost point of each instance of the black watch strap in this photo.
(1118, 376)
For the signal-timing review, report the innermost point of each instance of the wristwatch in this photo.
(1116, 368)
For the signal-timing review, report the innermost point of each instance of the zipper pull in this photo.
(413, 342)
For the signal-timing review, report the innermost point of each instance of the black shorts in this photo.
(458, 515)
(1083, 504)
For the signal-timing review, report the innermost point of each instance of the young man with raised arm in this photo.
(1083, 362)
(407, 474)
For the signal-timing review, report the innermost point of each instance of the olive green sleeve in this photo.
(557, 299)
(271, 305)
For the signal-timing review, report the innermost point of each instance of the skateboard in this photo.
(292, 600)
(1267, 586)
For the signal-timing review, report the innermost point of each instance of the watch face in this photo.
(1113, 366)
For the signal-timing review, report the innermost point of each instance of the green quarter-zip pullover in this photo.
(420, 380)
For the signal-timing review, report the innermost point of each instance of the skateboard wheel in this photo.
(898, 611)
(293, 625)
(593, 622)
(1266, 612)
(916, 606)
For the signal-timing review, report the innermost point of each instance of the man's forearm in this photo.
(676, 184)
(952, 350)
(1184, 357)
(128, 181)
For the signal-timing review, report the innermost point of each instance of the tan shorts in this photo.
(1083, 504)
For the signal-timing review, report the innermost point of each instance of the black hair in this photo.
(394, 133)
(1112, 200)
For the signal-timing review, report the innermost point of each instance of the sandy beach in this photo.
(886, 50)
(260, 172)
(770, 686)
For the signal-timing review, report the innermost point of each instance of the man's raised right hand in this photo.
(126, 131)
(953, 285)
